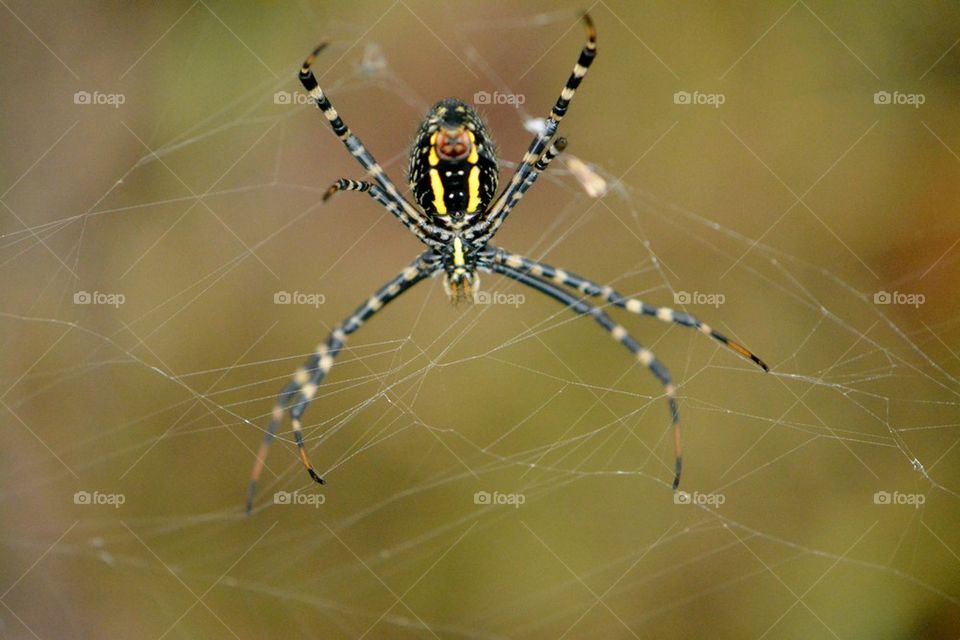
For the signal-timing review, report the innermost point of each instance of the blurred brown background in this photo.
(148, 154)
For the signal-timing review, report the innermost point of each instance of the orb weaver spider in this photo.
(453, 174)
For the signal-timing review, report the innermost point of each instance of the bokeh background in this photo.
(190, 185)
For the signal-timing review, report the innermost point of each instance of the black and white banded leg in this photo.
(514, 190)
(633, 305)
(642, 354)
(352, 142)
(302, 387)
(345, 184)
(556, 148)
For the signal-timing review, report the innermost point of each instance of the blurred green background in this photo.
(190, 186)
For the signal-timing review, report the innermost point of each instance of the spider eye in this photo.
(453, 145)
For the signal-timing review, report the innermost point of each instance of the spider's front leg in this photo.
(490, 226)
(297, 394)
(541, 140)
(643, 355)
(352, 142)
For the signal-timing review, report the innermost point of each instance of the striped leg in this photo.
(298, 393)
(643, 355)
(345, 184)
(352, 142)
(492, 225)
(633, 305)
(512, 194)
(555, 149)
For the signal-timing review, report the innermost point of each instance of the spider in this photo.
(453, 175)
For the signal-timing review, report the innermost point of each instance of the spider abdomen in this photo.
(453, 164)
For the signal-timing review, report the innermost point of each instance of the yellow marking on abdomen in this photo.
(432, 158)
(473, 184)
(474, 156)
(436, 185)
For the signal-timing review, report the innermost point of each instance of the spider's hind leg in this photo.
(291, 389)
(302, 387)
(642, 354)
(633, 305)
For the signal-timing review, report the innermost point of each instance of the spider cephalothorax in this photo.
(453, 176)
(453, 163)
(460, 261)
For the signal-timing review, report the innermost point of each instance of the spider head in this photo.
(453, 163)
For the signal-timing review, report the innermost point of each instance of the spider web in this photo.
(502, 469)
